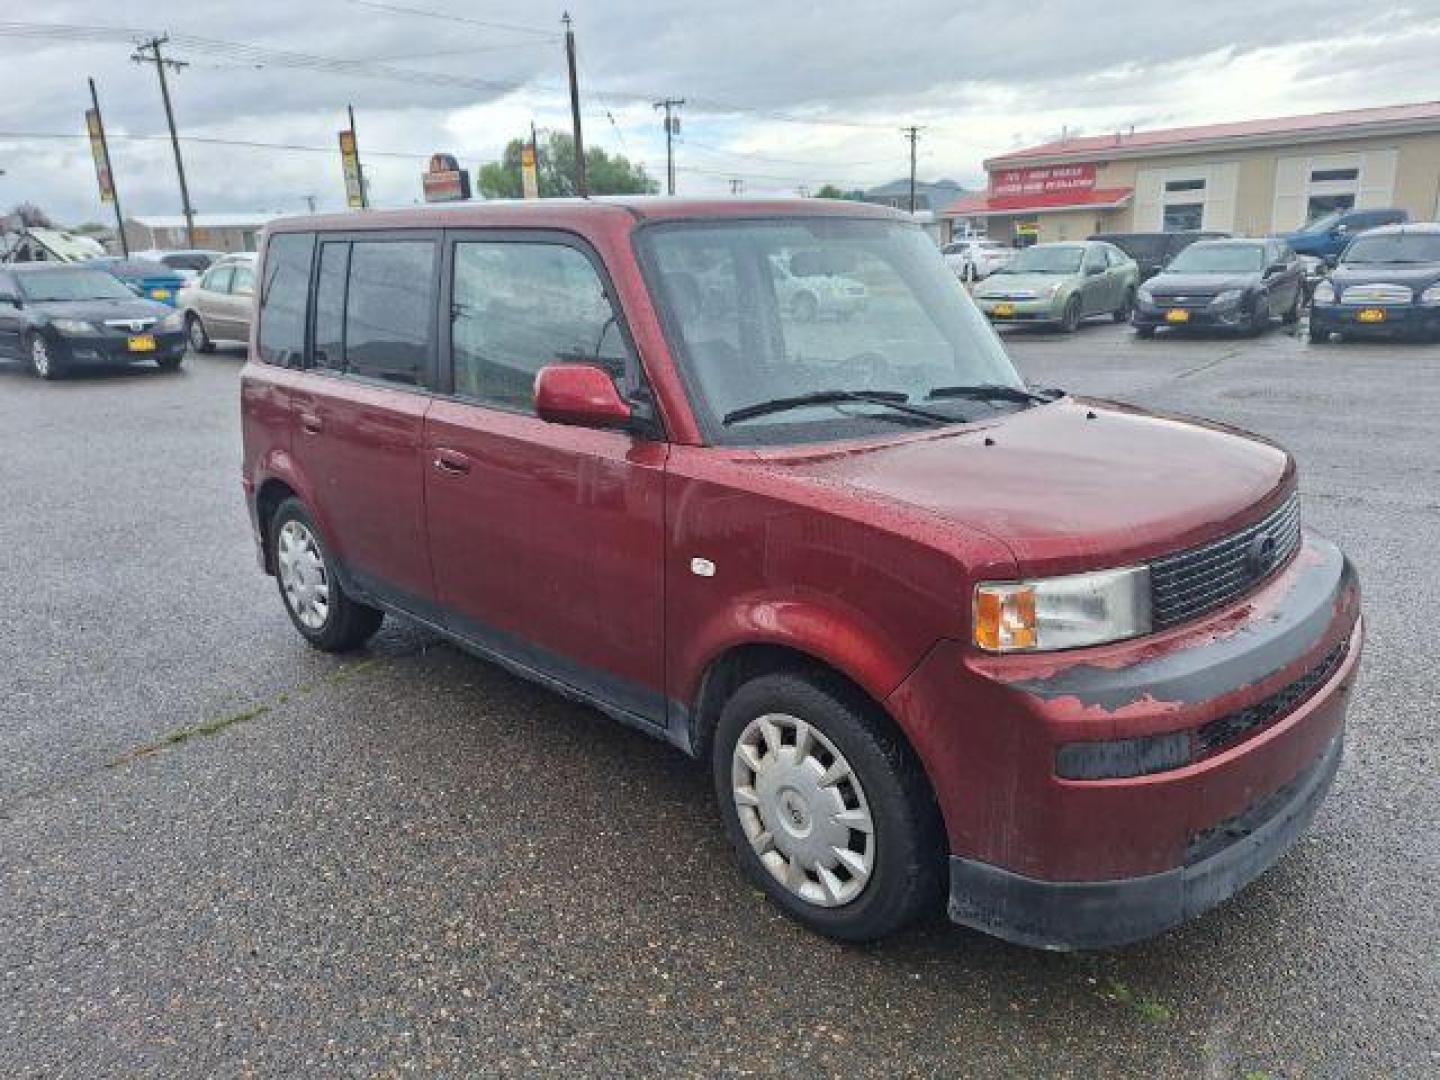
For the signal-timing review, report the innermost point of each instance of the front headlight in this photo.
(72, 326)
(1431, 295)
(1062, 612)
(173, 321)
(1324, 293)
(1228, 298)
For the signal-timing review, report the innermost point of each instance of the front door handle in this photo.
(452, 462)
(311, 424)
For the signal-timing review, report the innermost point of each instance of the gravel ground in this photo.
(224, 854)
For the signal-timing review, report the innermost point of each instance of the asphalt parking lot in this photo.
(222, 853)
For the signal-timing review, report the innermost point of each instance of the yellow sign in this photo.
(350, 160)
(528, 176)
(102, 158)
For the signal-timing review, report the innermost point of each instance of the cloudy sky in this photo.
(779, 94)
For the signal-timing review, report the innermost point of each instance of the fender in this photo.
(280, 464)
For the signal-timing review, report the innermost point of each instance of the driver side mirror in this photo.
(581, 395)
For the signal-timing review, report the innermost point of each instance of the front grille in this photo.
(1228, 730)
(1190, 583)
(1377, 294)
(1183, 300)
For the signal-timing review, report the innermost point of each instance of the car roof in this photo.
(1231, 241)
(1420, 228)
(55, 267)
(519, 213)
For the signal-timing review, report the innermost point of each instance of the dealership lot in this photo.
(223, 852)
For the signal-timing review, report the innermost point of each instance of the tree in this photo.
(31, 216)
(833, 191)
(555, 166)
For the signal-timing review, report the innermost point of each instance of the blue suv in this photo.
(1325, 237)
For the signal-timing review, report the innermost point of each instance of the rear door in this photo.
(12, 318)
(547, 540)
(360, 410)
(239, 302)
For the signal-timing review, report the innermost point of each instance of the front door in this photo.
(360, 412)
(547, 540)
(1095, 286)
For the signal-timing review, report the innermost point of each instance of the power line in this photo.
(426, 13)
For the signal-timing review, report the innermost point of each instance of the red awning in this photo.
(983, 204)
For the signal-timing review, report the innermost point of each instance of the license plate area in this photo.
(1177, 315)
(1371, 315)
(141, 343)
(1004, 311)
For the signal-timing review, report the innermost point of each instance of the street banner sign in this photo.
(529, 178)
(101, 154)
(445, 181)
(350, 160)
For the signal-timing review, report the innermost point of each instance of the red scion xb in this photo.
(756, 477)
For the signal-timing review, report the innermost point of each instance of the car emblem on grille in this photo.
(1260, 554)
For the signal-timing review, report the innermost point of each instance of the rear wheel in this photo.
(315, 600)
(41, 358)
(1146, 332)
(1292, 314)
(170, 363)
(827, 808)
(196, 334)
(1127, 305)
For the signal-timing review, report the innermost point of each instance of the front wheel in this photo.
(197, 335)
(1145, 332)
(324, 613)
(1292, 314)
(43, 364)
(827, 807)
(1070, 319)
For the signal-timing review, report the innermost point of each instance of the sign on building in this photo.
(529, 178)
(445, 181)
(1042, 180)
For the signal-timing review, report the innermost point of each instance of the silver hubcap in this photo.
(803, 810)
(197, 334)
(40, 355)
(303, 576)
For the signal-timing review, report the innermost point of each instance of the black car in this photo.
(1387, 283)
(1223, 285)
(1152, 251)
(57, 315)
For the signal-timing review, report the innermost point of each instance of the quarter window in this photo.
(329, 347)
(518, 306)
(243, 283)
(218, 280)
(389, 308)
(283, 293)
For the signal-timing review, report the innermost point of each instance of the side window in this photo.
(243, 283)
(218, 280)
(389, 308)
(284, 291)
(519, 306)
(328, 349)
(1094, 257)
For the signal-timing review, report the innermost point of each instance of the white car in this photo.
(975, 259)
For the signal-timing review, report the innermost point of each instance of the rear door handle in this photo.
(311, 424)
(451, 461)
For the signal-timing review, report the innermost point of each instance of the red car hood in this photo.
(1074, 484)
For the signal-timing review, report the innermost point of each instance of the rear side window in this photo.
(329, 348)
(283, 294)
(389, 309)
(244, 281)
(519, 306)
(218, 280)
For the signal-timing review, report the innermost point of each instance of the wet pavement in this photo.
(222, 853)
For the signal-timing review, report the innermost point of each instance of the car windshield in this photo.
(1044, 259)
(1394, 248)
(761, 313)
(1219, 259)
(1323, 222)
(76, 284)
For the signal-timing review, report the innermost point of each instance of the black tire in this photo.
(37, 345)
(909, 862)
(169, 363)
(196, 334)
(348, 623)
(1292, 315)
(1259, 318)
(1145, 332)
(1070, 319)
(1318, 337)
(1127, 307)
(805, 308)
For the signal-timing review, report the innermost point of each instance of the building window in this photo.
(1183, 217)
(1320, 205)
(1184, 185)
(1326, 176)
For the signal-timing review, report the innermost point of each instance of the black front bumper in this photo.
(115, 348)
(1205, 318)
(1066, 915)
(1408, 320)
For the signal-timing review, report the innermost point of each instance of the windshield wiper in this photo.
(992, 392)
(892, 399)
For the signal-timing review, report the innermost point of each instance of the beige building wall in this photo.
(1241, 192)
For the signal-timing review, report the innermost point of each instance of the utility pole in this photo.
(581, 187)
(672, 125)
(157, 58)
(359, 169)
(737, 186)
(913, 134)
(114, 187)
(309, 202)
